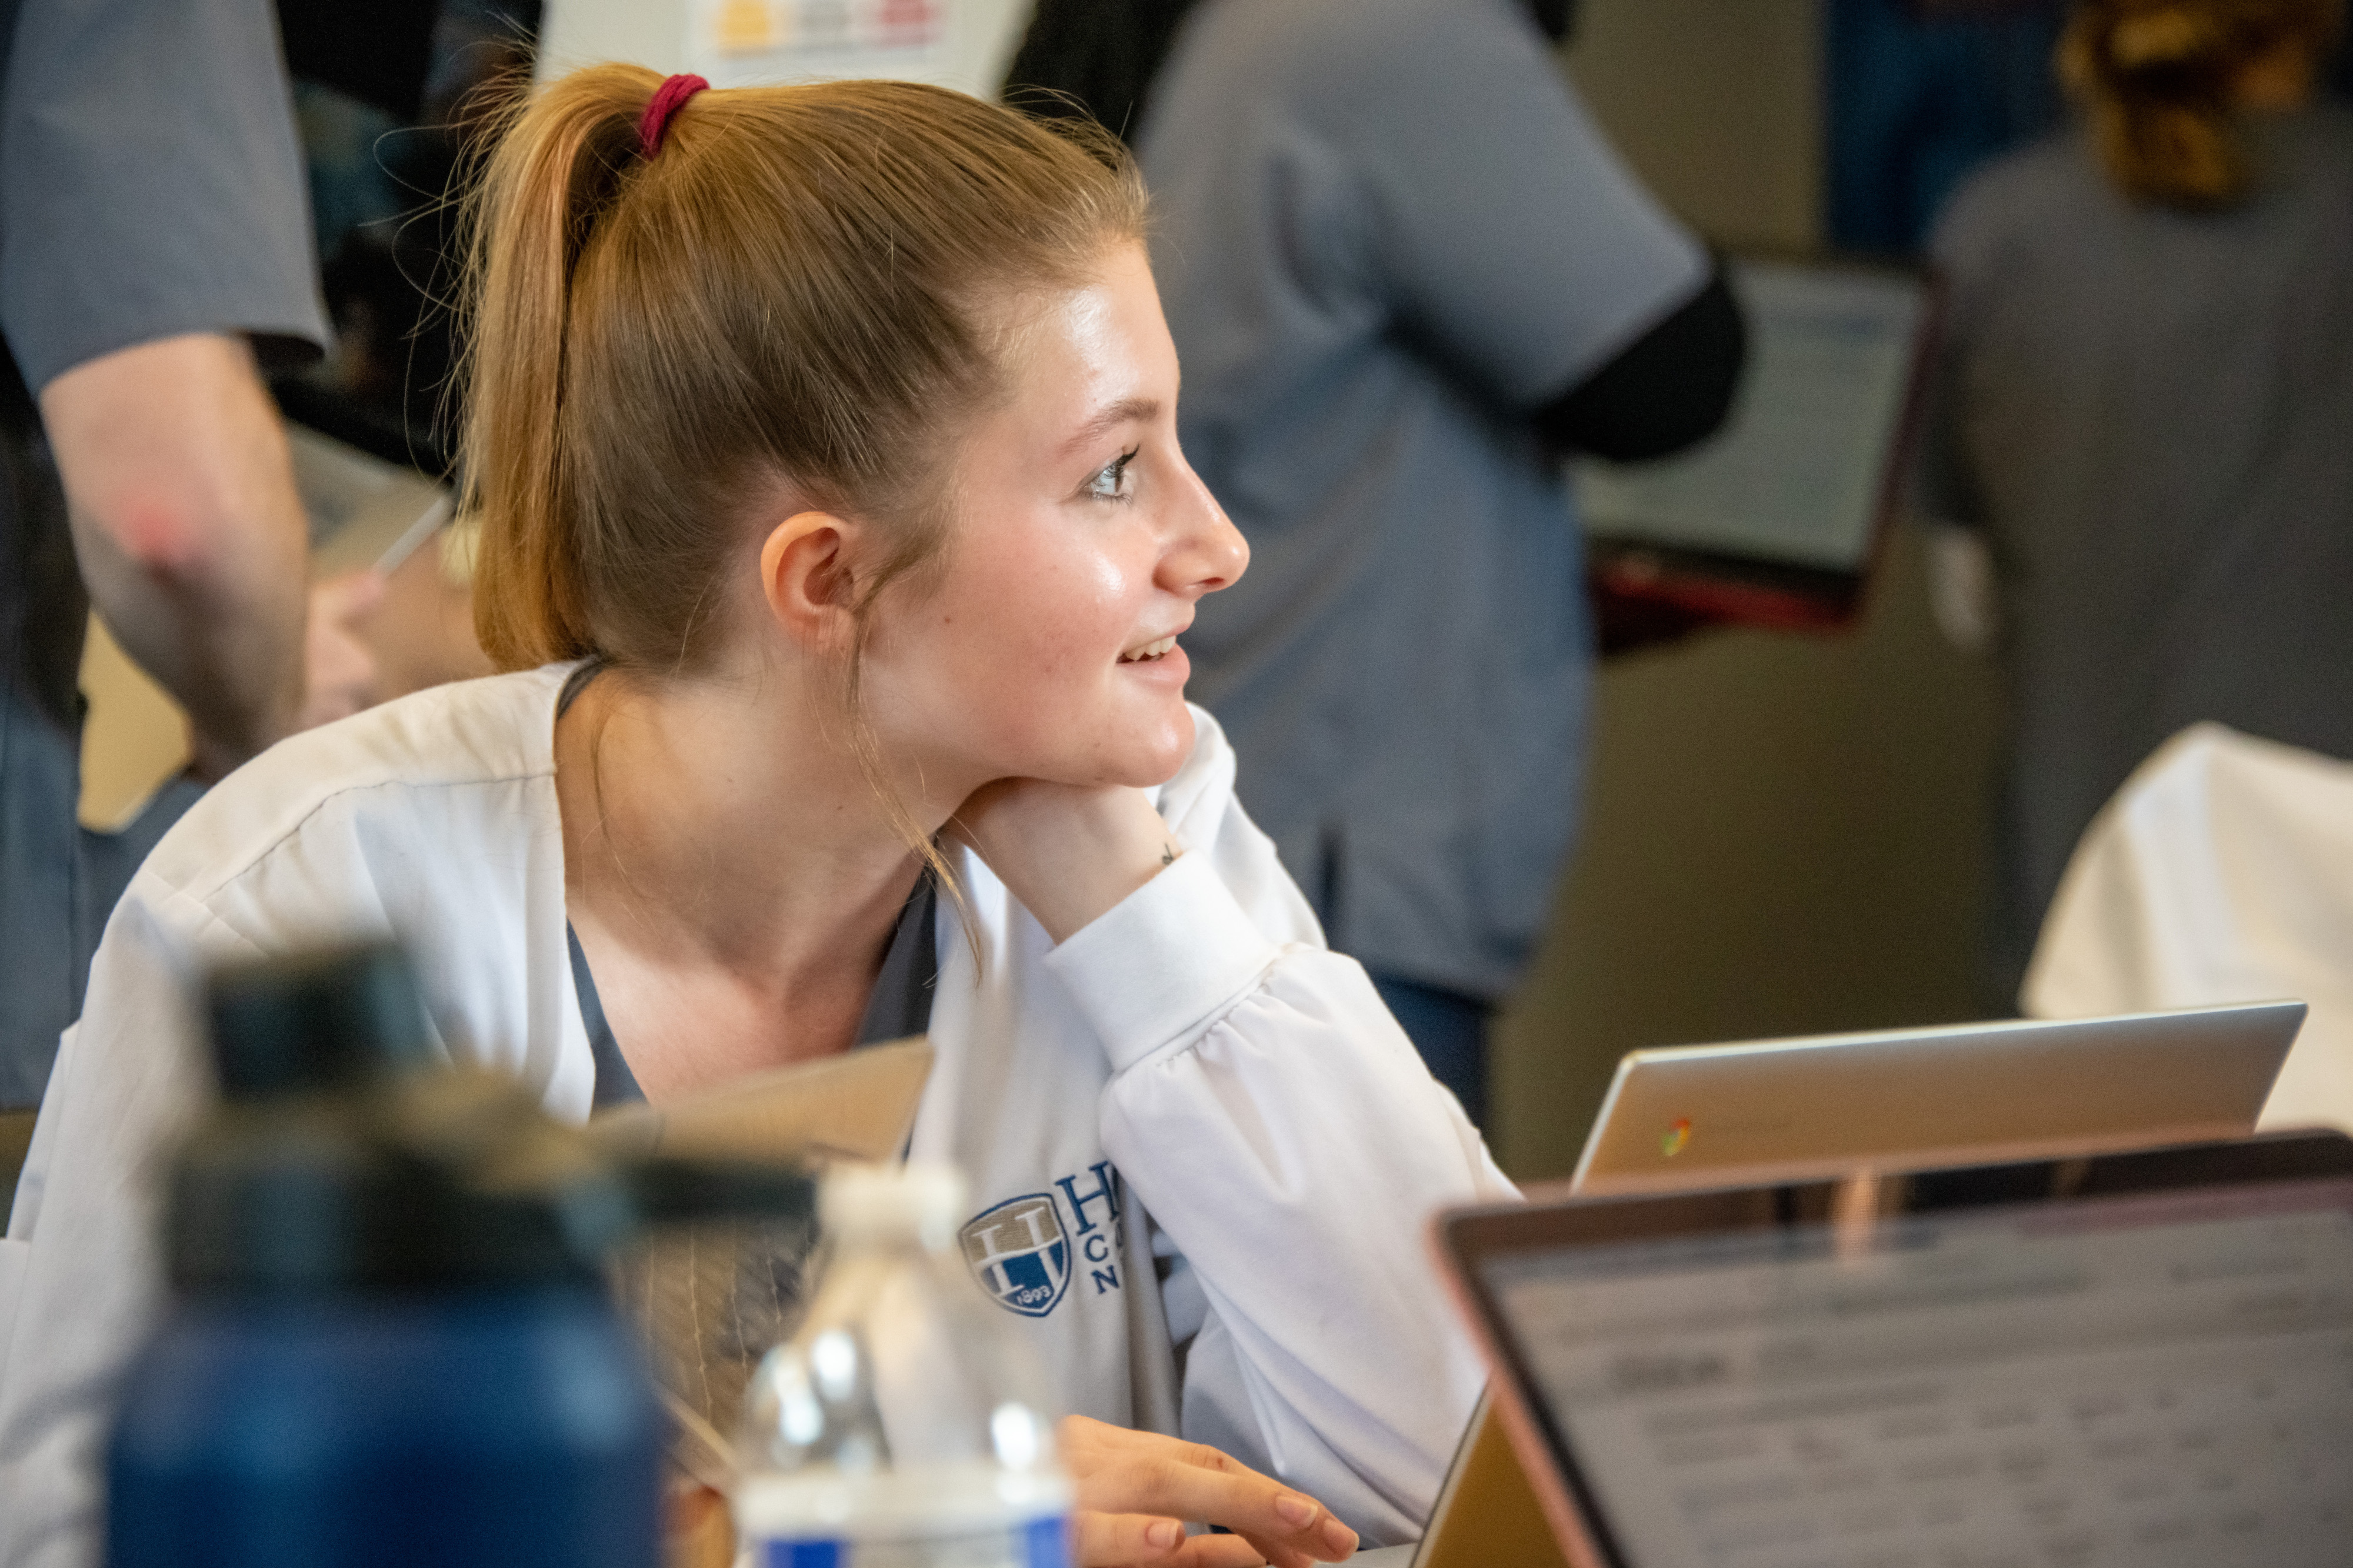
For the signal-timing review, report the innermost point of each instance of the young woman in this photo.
(837, 537)
(2141, 415)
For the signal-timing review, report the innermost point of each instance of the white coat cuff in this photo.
(1162, 961)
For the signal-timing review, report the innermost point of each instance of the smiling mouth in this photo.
(1148, 652)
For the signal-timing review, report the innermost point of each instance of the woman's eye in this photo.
(1110, 481)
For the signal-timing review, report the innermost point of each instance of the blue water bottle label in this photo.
(805, 1553)
(1045, 1543)
(1042, 1542)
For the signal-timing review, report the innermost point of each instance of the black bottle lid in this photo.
(335, 1020)
(343, 1160)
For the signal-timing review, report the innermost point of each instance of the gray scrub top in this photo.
(1386, 233)
(150, 185)
(2150, 414)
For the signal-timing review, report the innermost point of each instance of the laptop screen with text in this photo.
(2145, 1380)
(1799, 472)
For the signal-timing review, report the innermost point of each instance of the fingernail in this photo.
(1296, 1510)
(1164, 1534)
(1339, 1537)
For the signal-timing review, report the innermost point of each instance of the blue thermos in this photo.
(388, 1341)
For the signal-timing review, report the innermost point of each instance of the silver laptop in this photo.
(1828, 1104)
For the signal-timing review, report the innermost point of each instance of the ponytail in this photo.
(2159, 79)
(543, 192)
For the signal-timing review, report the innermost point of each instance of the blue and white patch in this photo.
(1020, 1253)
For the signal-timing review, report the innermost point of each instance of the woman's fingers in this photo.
(1333, 1541)
(1274, 1553)
(1291, 1529)
(1148, 1540)
(1123, 1472)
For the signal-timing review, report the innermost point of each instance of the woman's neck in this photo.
(732, 875)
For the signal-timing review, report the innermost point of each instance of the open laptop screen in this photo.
(1791, 496)
(2142, 1379)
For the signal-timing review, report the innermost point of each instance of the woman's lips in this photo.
(1168, 667)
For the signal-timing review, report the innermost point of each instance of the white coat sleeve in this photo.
(1283, 1132)
(80, 1271)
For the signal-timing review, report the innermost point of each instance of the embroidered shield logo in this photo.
(1020, 1253)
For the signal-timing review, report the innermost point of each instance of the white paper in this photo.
(961, 44)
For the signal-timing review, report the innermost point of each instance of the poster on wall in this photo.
(962, 44)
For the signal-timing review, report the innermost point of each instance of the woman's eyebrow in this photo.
(1127, 411)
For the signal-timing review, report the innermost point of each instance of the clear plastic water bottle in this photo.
(903, 1425)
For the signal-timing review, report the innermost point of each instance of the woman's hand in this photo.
(1135, 1487)
(1069, 852)
(339, 669)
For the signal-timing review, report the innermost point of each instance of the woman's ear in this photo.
(805, 576)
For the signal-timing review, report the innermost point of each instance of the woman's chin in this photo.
(1138, 760)
(1156, 760)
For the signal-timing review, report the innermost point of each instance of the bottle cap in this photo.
(334, 1019)
(333, 1166)
(923, 1200)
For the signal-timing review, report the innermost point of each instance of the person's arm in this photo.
(152, 189)
(1276, 1124)
(1669, 389)
(1504, 235)
(190, 535)
(1945, 493)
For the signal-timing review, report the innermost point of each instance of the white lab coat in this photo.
(1193, 1074)
(2222, 871)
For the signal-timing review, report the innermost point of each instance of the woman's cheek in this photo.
(1042, 702)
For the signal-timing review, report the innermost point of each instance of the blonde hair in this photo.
(793, 289)
(2159, 77)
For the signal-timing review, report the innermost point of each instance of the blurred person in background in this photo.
(395, 102)
(2141, 425)
(1406, 274)
(155, 251)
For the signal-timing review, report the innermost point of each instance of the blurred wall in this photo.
(1782, 834)
(1717, 104)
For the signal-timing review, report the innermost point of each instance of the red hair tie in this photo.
(667, 100)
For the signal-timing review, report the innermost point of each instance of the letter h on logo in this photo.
(1019, 1254)
(1098, 1249)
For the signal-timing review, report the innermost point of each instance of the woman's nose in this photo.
(1206, 552)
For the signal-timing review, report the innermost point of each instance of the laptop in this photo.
(1836, 1105)
(1778, 1109)
(2141, 1359)
(1778, 518)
